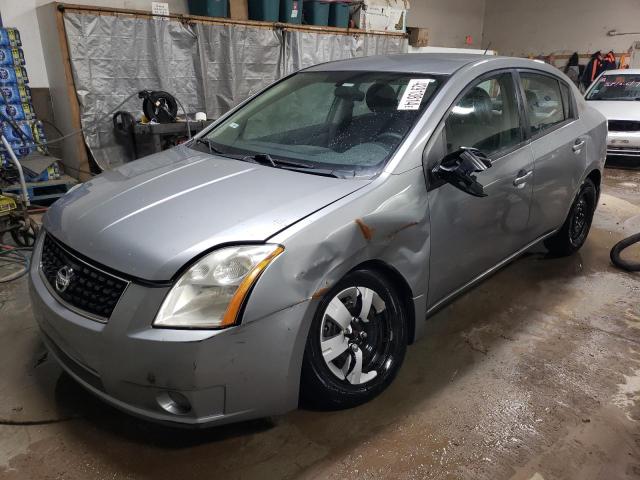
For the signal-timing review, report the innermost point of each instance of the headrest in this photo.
(480, 103)
(381, 98)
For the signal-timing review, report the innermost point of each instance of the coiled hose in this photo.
(617, 249)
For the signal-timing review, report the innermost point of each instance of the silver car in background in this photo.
(293, 250)
(616, 94)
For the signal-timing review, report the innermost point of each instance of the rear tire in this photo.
(356, 343)
(570, 238)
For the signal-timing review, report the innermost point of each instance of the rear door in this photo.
(559, 147)
(470, 235)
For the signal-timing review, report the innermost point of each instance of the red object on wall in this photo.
(468, 40)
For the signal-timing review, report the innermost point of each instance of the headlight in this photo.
(210, 294)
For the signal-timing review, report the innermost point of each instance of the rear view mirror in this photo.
(458, 168)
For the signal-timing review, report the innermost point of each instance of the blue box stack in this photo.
(17, 119)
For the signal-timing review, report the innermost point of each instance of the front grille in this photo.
(80, 285)
(623, 126)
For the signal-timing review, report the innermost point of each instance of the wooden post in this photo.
(66, 109)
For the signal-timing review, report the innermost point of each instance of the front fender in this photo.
(386, 221)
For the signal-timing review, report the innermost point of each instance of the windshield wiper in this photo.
(261, 158)
(323, 172)
(290, 165)
(266, 158)
(208, 143)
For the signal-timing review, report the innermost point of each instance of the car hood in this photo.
(150, 217)
(617, 110)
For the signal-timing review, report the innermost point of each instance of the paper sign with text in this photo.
(159, 8)
(412, 96)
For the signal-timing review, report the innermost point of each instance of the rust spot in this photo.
(366, 230)
(320, 293)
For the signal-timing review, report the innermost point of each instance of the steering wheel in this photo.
(393, 137)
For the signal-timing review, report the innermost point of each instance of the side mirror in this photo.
(458, 168)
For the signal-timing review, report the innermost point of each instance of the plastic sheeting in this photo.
(303, 49)
(113, 57)
(237, 61)
(206, 67)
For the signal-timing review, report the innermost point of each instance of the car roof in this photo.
(623, 71)
(427, 63)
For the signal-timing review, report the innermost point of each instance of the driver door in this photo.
(470, 235)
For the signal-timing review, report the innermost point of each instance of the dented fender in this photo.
(386, 221)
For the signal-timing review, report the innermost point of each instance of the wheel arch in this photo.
(596, 177)
(402, 289)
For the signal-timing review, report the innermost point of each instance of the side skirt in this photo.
(447, 299)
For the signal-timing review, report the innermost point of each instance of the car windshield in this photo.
(338, 121)
(616, 87)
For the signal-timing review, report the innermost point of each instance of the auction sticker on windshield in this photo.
(412, 96)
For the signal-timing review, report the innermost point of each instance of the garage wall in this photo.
(449, 21)
(523, 27)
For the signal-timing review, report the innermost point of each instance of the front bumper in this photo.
(623, 144)
(248, 371)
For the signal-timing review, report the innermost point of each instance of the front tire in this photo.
(570, 238)
(356, 343)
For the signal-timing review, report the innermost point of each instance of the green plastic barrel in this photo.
(339, 15)
(291, 11)
(264, 10)
(316, 12)
(209, 8)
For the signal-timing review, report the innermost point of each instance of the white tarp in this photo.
(207, 67)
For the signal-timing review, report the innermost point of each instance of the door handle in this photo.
(522, 178)
(577, 146)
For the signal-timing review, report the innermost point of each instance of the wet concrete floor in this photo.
(534, 374)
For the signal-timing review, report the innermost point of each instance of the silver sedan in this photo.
(293, 250)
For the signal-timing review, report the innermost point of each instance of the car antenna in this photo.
(488, 47)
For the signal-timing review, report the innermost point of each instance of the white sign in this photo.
(159, 8)
(412, 96)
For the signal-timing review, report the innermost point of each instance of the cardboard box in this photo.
(418, 37)
(238, 10)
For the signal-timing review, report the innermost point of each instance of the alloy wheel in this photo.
(355, 334)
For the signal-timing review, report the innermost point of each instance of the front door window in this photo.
(486, 117)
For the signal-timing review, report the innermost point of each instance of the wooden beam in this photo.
(66, 109)
(82, 169)
(223, 21)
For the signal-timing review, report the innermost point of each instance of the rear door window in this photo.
(543, 100)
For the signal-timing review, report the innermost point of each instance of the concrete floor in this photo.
(535, 374)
